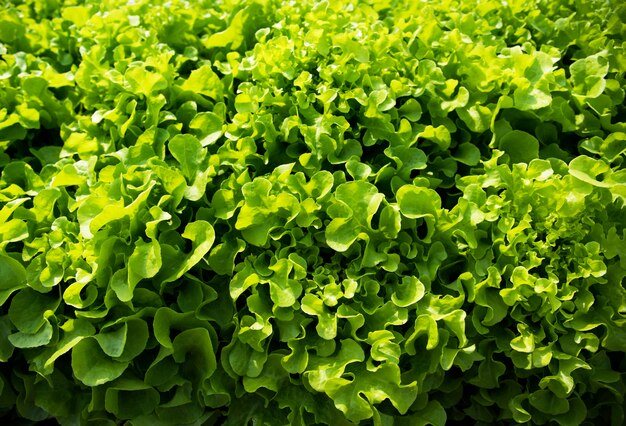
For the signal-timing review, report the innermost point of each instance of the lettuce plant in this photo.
(377, 212)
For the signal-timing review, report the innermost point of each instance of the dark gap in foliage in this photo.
(568, 57)
(450, 271)
(35, 139)
(617, 359)
(14, 247)
(421, 229)
(449, 197)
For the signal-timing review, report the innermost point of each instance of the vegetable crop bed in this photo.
(272, 212)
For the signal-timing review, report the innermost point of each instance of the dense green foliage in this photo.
(295, 212)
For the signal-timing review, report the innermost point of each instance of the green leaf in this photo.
(204, 81)
(40, 337)
(6, 348)
(162, 370)
(130, 398)
(78, 15)
(125, 342)
(144, 82)
(440, 135)
(546, 402)
(383, 346)
(245, 361)
(377, 385)
(576, 414)
(194, 348)
(57, 396)
(323, 368)
(166, 320)
(528, 96)
(432, 414)
(224, 203)
(588, 170)
(415, 202)
(272, 376)
(411, 110)
(202, 236)
(96, 210)
(489, 373)
(283, 290)
(263, 211)
(12, 231)
(477, 117)
(409, 292)
(341, 234)
(521, 147)
(92, 366)
(358, 170)
(347, 398)
(145, 262)
(390, 221)
(72, 332)
(407, 159)
(29, 310)
(12, 277)
(245, 103)
(327, 322)
(520, 414)
(80, 295)
(316, 188)
(188, 152)
(208, 127)
(241, 28)
(587, 75)
(525, 342)
(362, 200)
(222, 256)
(467, 153)
(424, 325)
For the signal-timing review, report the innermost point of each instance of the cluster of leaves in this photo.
(350, 212)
